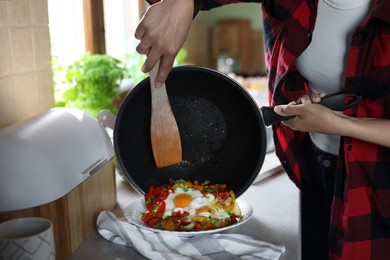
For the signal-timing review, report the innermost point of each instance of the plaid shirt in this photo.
(360, 222)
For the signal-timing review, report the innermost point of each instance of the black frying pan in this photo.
(222, 132)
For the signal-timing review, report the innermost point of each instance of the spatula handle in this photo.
(153, 75)
(159, 94)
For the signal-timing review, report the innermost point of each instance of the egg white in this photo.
(198, 200)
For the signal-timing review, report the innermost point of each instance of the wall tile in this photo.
(26, 84)
(37, 16)
(42, 48)
(5, 51)
(25, 91)
(45, 90)
(22, 56)
(3, 13)
(7, 102)
(19, 12)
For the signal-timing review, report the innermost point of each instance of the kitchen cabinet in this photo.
(236, 37)
(73, 215)
(58, 165)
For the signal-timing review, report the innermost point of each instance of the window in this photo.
(120, 19)
(78, 26)
(66, 24)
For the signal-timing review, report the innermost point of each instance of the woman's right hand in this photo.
(162, 32)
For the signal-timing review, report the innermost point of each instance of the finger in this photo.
(315, 98)
(143, 47)
(287, 110)
(165, 68)
(151, 59)
(306, 101)
(280, 110)
(139, 33)
(302, 99)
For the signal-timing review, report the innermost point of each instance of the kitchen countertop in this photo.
(276, 219)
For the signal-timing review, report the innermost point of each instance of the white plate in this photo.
(134, 210)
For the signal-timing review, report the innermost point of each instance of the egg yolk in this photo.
(204, 209)
(182, 200)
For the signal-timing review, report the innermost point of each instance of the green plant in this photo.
(90, 83)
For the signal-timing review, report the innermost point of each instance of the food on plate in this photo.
(190, 206)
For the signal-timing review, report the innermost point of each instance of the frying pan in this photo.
(221, 129)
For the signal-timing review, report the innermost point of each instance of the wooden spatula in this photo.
(164, 132)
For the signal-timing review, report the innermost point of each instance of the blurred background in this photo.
(52, 51)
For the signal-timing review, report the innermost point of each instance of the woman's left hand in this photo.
(310, 116)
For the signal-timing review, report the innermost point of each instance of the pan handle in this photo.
(270, 117)
(338, 101)
(107, 119)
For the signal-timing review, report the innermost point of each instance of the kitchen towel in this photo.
(154, 245)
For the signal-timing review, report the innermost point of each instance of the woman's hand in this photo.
(314, 98)
(312, 117)
(162, 32)
(309, 116)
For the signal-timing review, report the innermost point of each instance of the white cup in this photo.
(27, 238)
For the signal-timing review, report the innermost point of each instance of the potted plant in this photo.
(90, 83)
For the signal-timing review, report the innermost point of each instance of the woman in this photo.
(340, 162)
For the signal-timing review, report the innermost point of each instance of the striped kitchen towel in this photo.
(154, 245)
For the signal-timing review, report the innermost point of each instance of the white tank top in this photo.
(324, 61)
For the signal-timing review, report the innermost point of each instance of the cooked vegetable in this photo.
(190, 206)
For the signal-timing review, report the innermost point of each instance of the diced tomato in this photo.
(233, 218)
(224, 194)
(197, 226)
(149, 198)
(170, 189)
(152, 221)
(162, 192)
(147, 217)
(157, 191)
(156, 200)
(159, 210)
(150, 192)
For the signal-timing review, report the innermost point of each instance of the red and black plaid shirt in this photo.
(360, 223)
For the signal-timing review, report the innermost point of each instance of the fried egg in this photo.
(194, 202)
